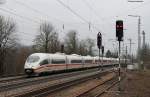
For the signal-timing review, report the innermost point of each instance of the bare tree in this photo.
(47, 40)
(90, 44)
(54, 43)
(71, 42)
(7, 39)
(83, 48)
(21, 55)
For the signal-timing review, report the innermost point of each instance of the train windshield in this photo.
(33, 59)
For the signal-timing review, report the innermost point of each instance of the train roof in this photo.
(87, 57)
(72, 56)
(43, 55)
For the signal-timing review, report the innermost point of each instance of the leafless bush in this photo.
(7, 40)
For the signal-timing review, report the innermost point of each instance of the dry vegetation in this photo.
(137, 84)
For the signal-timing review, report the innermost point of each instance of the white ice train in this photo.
(38, 63)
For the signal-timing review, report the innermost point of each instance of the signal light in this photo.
(99, 40)
(117, 26)
(119, 30)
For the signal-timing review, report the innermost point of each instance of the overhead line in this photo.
(71, 10)
(24, 16)
(35, 10)
(18, 15)
(90, 7)
(39, 12)
(75, 13)
(94, 11)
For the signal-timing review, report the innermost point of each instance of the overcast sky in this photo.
(102, 14)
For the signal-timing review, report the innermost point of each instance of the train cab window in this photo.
(44, 62)
(58, 61)
(32, 59)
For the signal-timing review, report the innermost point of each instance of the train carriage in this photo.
(40, 62)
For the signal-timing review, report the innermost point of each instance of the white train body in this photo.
(40, 62)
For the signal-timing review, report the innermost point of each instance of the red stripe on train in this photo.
(54, 65)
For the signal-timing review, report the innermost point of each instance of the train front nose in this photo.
(31, 64)
(29, 69)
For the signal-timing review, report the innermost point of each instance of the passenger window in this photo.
(88, 61)
(58, 61)
(76, 61)
(44, 62)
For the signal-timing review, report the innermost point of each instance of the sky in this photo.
(101, 14)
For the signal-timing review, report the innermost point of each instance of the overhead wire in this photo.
(29, 19)
(75, 13)
(34, 19)
(18, 15)
(39, 12)
(71, 10)
(94, 11)
(27, 34)
(36, 10)
(90, 7)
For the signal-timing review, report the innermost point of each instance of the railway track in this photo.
(82, 88)
(17, 83)
(6, 87)
(95, 87)
(100, 89)
(58, 84)
(11, 78)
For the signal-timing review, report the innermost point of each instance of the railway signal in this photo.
(99, 40)
(119, 30)
(99, 43)
(119, 36)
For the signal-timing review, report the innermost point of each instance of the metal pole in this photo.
(102, 55)
(126, 55)
(143, 39)
(119, 76)
(139, 42)
(144, 49)
(99, 58)
(132, 58)
(123, 52)
(130, 40)
(102, 61)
